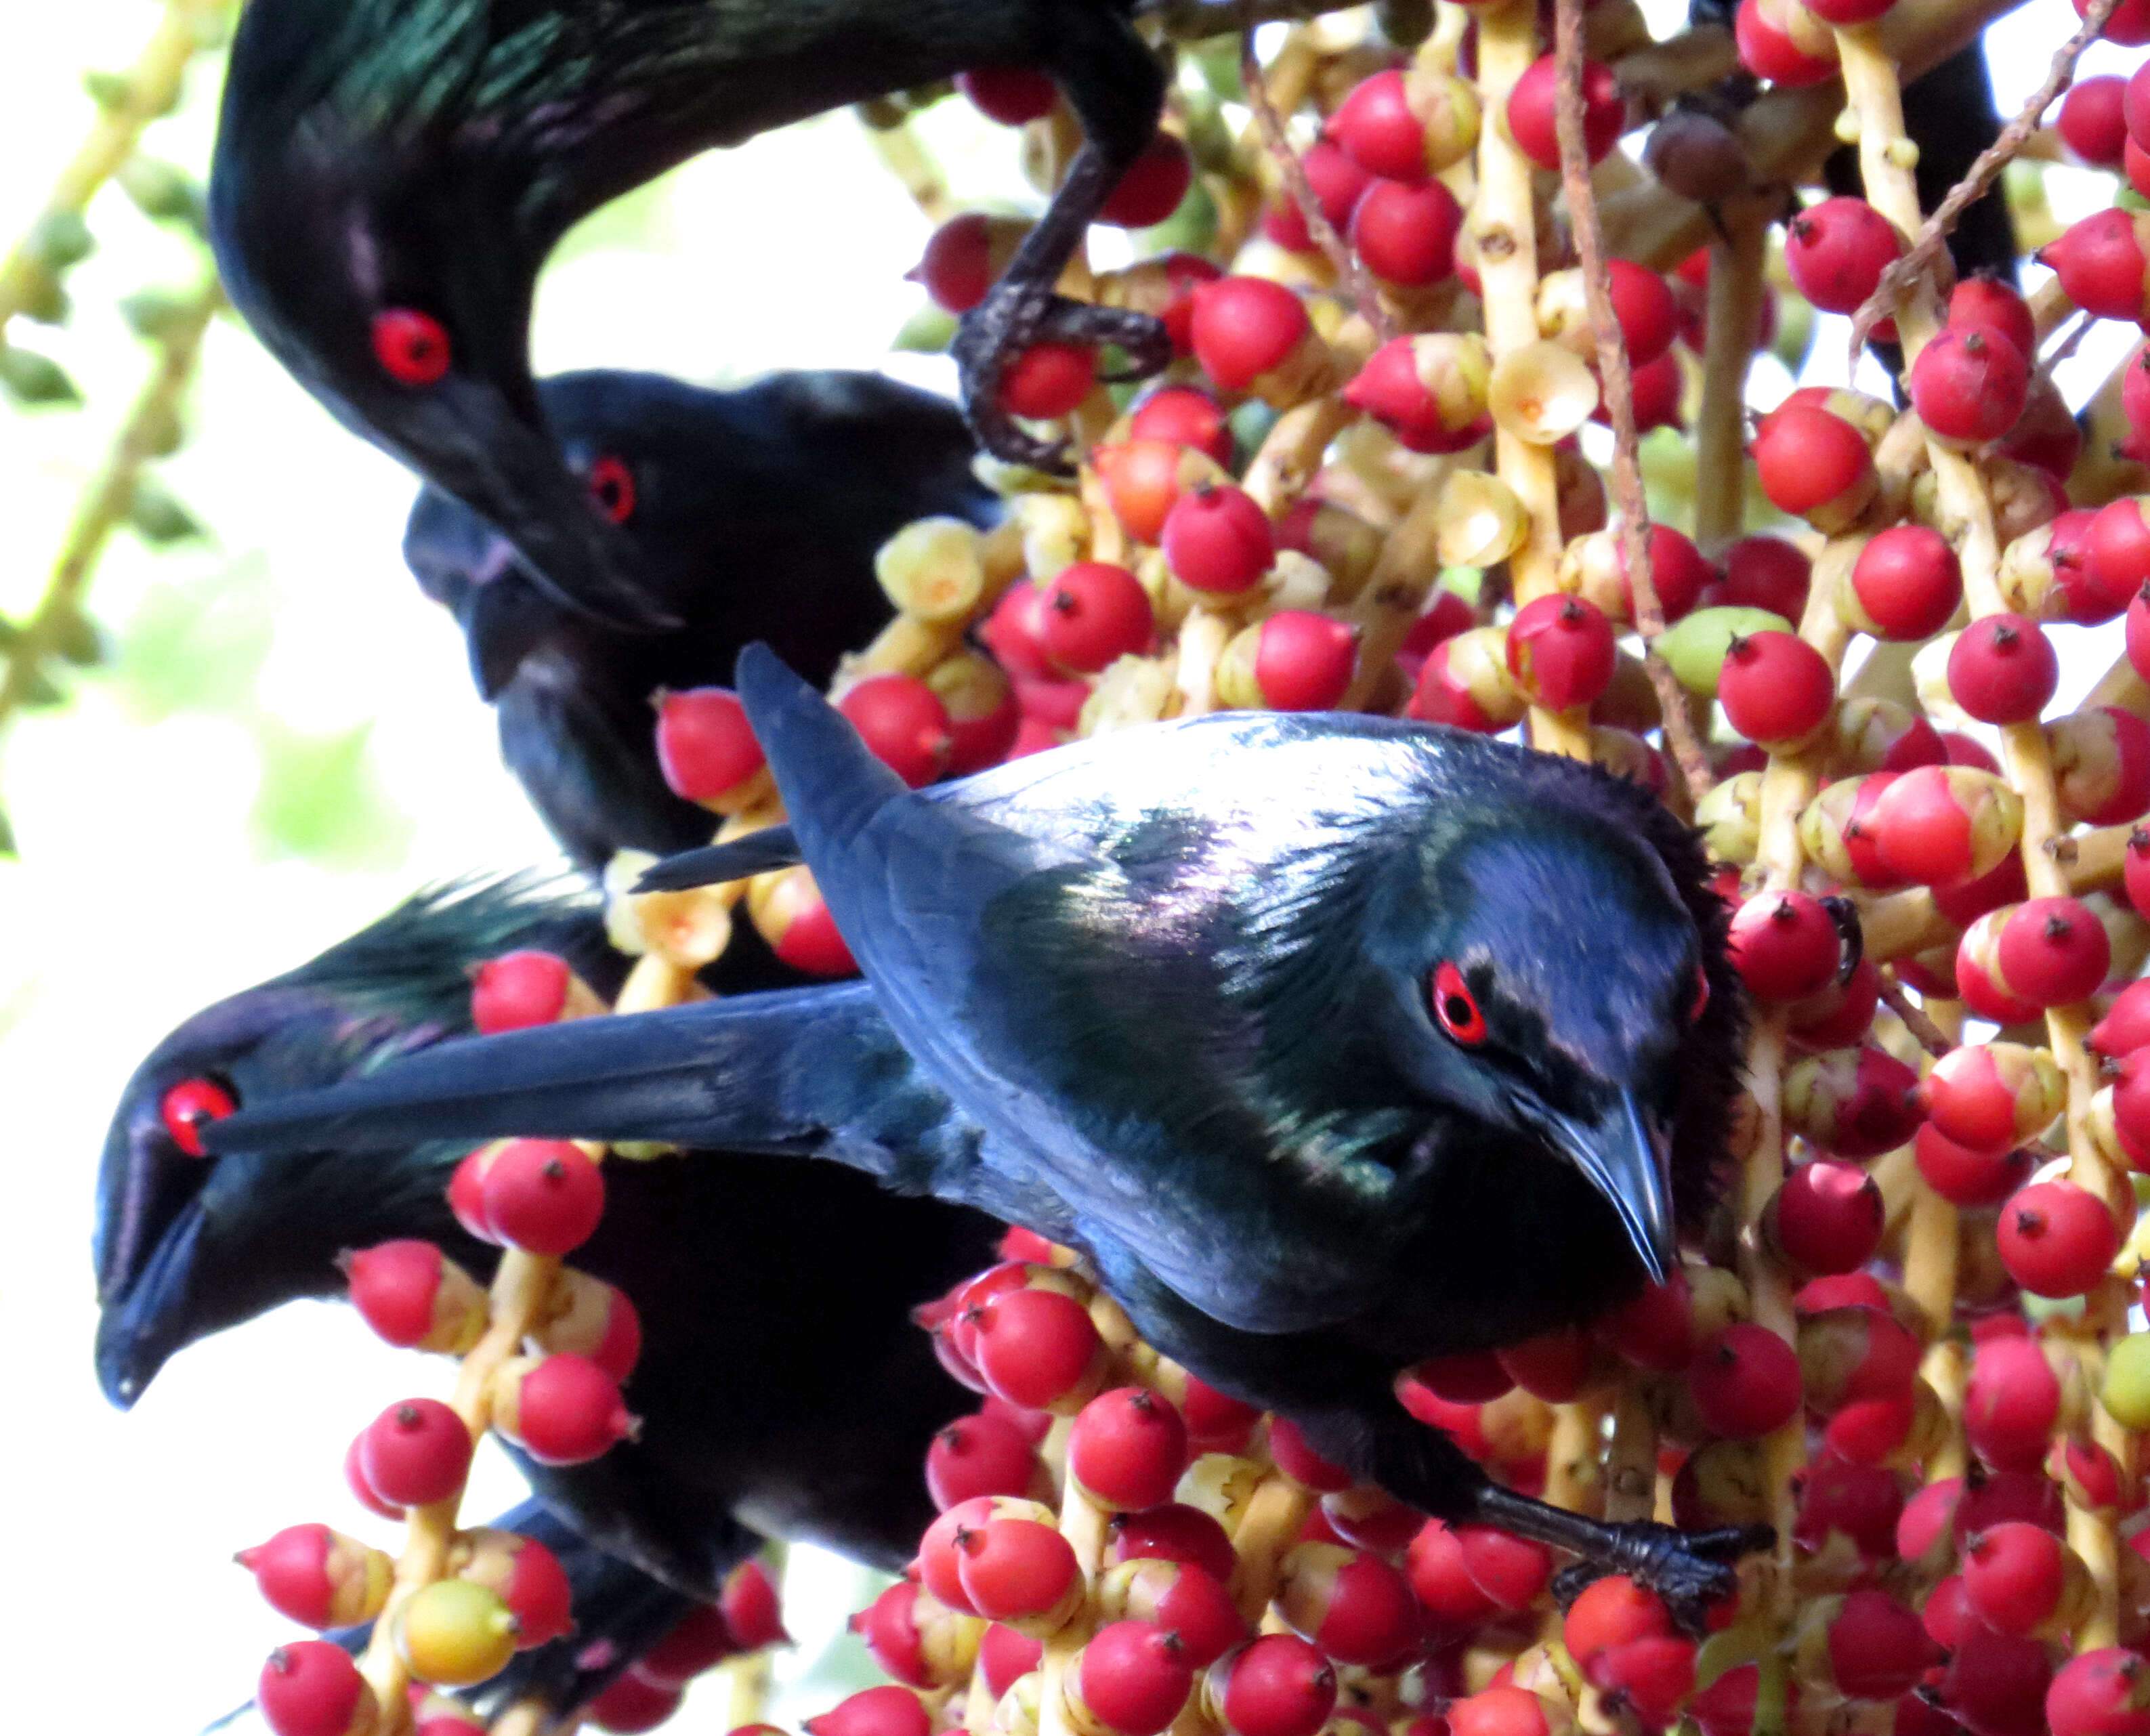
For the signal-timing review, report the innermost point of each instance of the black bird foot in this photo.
(1007, 322)
(1689, 1570)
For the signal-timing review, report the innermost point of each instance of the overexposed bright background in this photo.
(284, 742)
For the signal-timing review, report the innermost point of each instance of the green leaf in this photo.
(321, 800)
(153, 314)
(61, 238)
(163, 192)
(43, 299)
(75, 637)
(158, 517)
(108, 90)
(927, 332)
(159, 430)
(197, 646)
(31, 379)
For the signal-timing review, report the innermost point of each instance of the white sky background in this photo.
(140, 899)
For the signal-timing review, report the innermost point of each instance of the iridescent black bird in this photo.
(752, 514)
(782, 1388)
(1335, 1042)
(390, 174)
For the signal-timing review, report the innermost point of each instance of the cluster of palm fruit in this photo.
(1370, 482)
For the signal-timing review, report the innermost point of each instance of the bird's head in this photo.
(387, 258)
(187, 1242)
(1554, 967)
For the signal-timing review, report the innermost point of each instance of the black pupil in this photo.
(1459, 1010)
(608, 491)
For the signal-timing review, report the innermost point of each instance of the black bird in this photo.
(390, 176)
(783, 1390)
(752, 514)
(1335, 1042)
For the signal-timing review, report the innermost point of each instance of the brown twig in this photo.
(1930, 1036)
(1897, 281)
(1616, 380)
(1350, 268)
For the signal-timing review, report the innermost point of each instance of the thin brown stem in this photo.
(1926, 251)
(1930, 1036)
(1616, 380)
(1350, 268)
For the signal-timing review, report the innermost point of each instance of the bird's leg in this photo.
(1117, 92)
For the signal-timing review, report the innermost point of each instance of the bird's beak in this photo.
(138, 1331)
(504, 619)
(1627, 1160)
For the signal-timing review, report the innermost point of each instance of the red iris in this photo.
(190, 1106)
(413, 347)
(1701, 995)
(611, 487)
(1454, 1007)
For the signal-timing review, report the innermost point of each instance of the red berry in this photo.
(543, 1196)
(903, 724)
(1657, 386)
(2126, 1027)
(1006, 1656)
(1440, 1578)
(396, 1288)
(2057, 1239)
(1406, 232)
(1471, 1377)
(1356, 1607)
(1153, 185)
(2002, 668)
(957, 267)
(1614, 1610)
(1277, 1686)
(2102, 766)
(789, 913)
(976, 1455)
(1768, 52)
(752, 1607)
(1183, 416)
(1995, 1682)
(1785, 945)
(1877, 1649)
(1336, 182)
(2091, 123)
(1127, 1449)
(1554, 1366)
(1500, 1712)
(1215, 1423)
(1048, 380)
(1133, 1677)
(2011, 1403)
(1300, 1462)
(2053, 952)
(2115, 550)
(1645, 308)
(1010, 1569)
(1837, 251)
(700, 1641)
(1243, 327)
(2013, 1575)
(1776, 688)
(319, 1576)
(1827, 1217)
(1036, 1348)
(1303, 661)
(706, 746)
(1656, 1329)
(415, 1453)
(2099, 261)
(1560, 651)
(1860, 1503)
(1009, 94)
(885, 1711)
(1374, 124)
(561, 1410)
(1987, 301)
(1217, 539)
(313, 1688)
(1806, 458)
(629, 1706)
(518, 989)
(1907, 582)
(361, 1490)
(1174, 1533)
(1530, 106)
(1092, 614)
(2104, 1693)
(1745, 1381)
(1970, 385)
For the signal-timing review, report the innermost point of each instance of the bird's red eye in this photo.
(1701, 995)
(1455, 1008)
(411, 347)
(611, 487)
(190, 1106)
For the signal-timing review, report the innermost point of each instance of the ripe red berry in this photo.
(1012, 1570)
(2126, 1026)
(903, 724)
(319, 1576)
(1906, 582)
(1745, 1381)
(1009, 94)
(1174, 1533)
(2101, 765)
(1613, 1610)
(958, 268)
(1153, 185)
(976, 1455)
(1356, 1607)
(1766, 572)
(2053, 952)
(1808, 458)
(1406, 232)
(1827, 1217)
(2009, 1404)
(1970, 385)
(1336, 182)
(1183, 415)
(1127, 1449)
(1132, 1677)
(1006, 1656)
(1987, 301)
(415, 1453)
(1375, 125)
(2057, 1239)
(1785, 945)
(1048, 380)
(415, 1297)
(630, 1706)
(2091, 123)
(706, 748)
(1295, 660)
(561, 1410)
(2002, 668)
(1776, 688)
(885, 1711)
(1037, 1348)
(2100, 263)
(1877, 1648)
(1502, 1712)
(1217, 539)
(1277, 1686)
(313, 1688)
(1092, 614)
(544, 1196)
(1837, 251)
(1530, 107)
(789, 913)
(1560, 651)
(1243, 327)
(2014, 1575)
(519, 989)
(1300, 1462)
(2104, 1693)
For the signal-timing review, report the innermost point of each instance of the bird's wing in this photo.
(772, 847)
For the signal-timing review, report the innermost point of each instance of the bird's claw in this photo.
(1689, 1570)
(1008, 321)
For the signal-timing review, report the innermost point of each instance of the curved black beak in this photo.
(140, 1330)
(1626, 1158)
